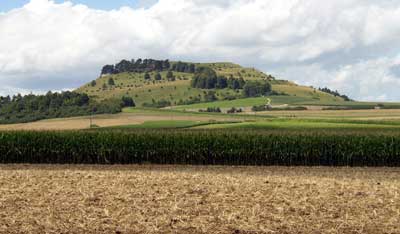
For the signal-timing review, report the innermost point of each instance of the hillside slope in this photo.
(178, 91)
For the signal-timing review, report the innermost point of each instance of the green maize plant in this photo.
(219, 147)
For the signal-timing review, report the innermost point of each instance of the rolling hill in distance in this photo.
(178, 91)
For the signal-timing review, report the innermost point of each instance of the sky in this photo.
(348, 45)
(7, 5)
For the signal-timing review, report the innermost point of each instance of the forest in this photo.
(28, 108)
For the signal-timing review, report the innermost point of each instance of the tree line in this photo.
(334, 93)
(28, 108)
(147, 65)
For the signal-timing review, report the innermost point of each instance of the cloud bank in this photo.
(349, 45)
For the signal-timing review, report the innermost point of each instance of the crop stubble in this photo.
(194, 199)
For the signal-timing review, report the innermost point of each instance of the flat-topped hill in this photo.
(164, 83)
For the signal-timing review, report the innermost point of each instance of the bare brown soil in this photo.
(187, 199)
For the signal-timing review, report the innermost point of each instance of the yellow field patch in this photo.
(101, 121)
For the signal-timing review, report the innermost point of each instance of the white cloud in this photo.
(350, 45)
(367, 80)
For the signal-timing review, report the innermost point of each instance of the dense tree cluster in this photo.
(170, 76)
(211, 109)
(206, 78)
(234, 83)
(139, 65)
(111, 82)
(334, 93)
(18, 109)
(128, 102)
(256, 88)
(184, 67)
(157, 76)
(147, 65)
(234, 110)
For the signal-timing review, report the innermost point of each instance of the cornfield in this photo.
(221, 147)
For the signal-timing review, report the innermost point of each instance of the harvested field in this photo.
(188, 199)
(75, 123)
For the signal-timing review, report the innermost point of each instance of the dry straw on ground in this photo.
(186, 199)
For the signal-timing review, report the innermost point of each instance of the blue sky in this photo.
(7, 5)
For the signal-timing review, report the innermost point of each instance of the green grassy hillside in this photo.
(180, 93)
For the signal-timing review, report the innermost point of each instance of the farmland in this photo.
(204, 147)
(222, 197)
(166, 164)
(384, 120)
(133, 117)
(185, 199)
